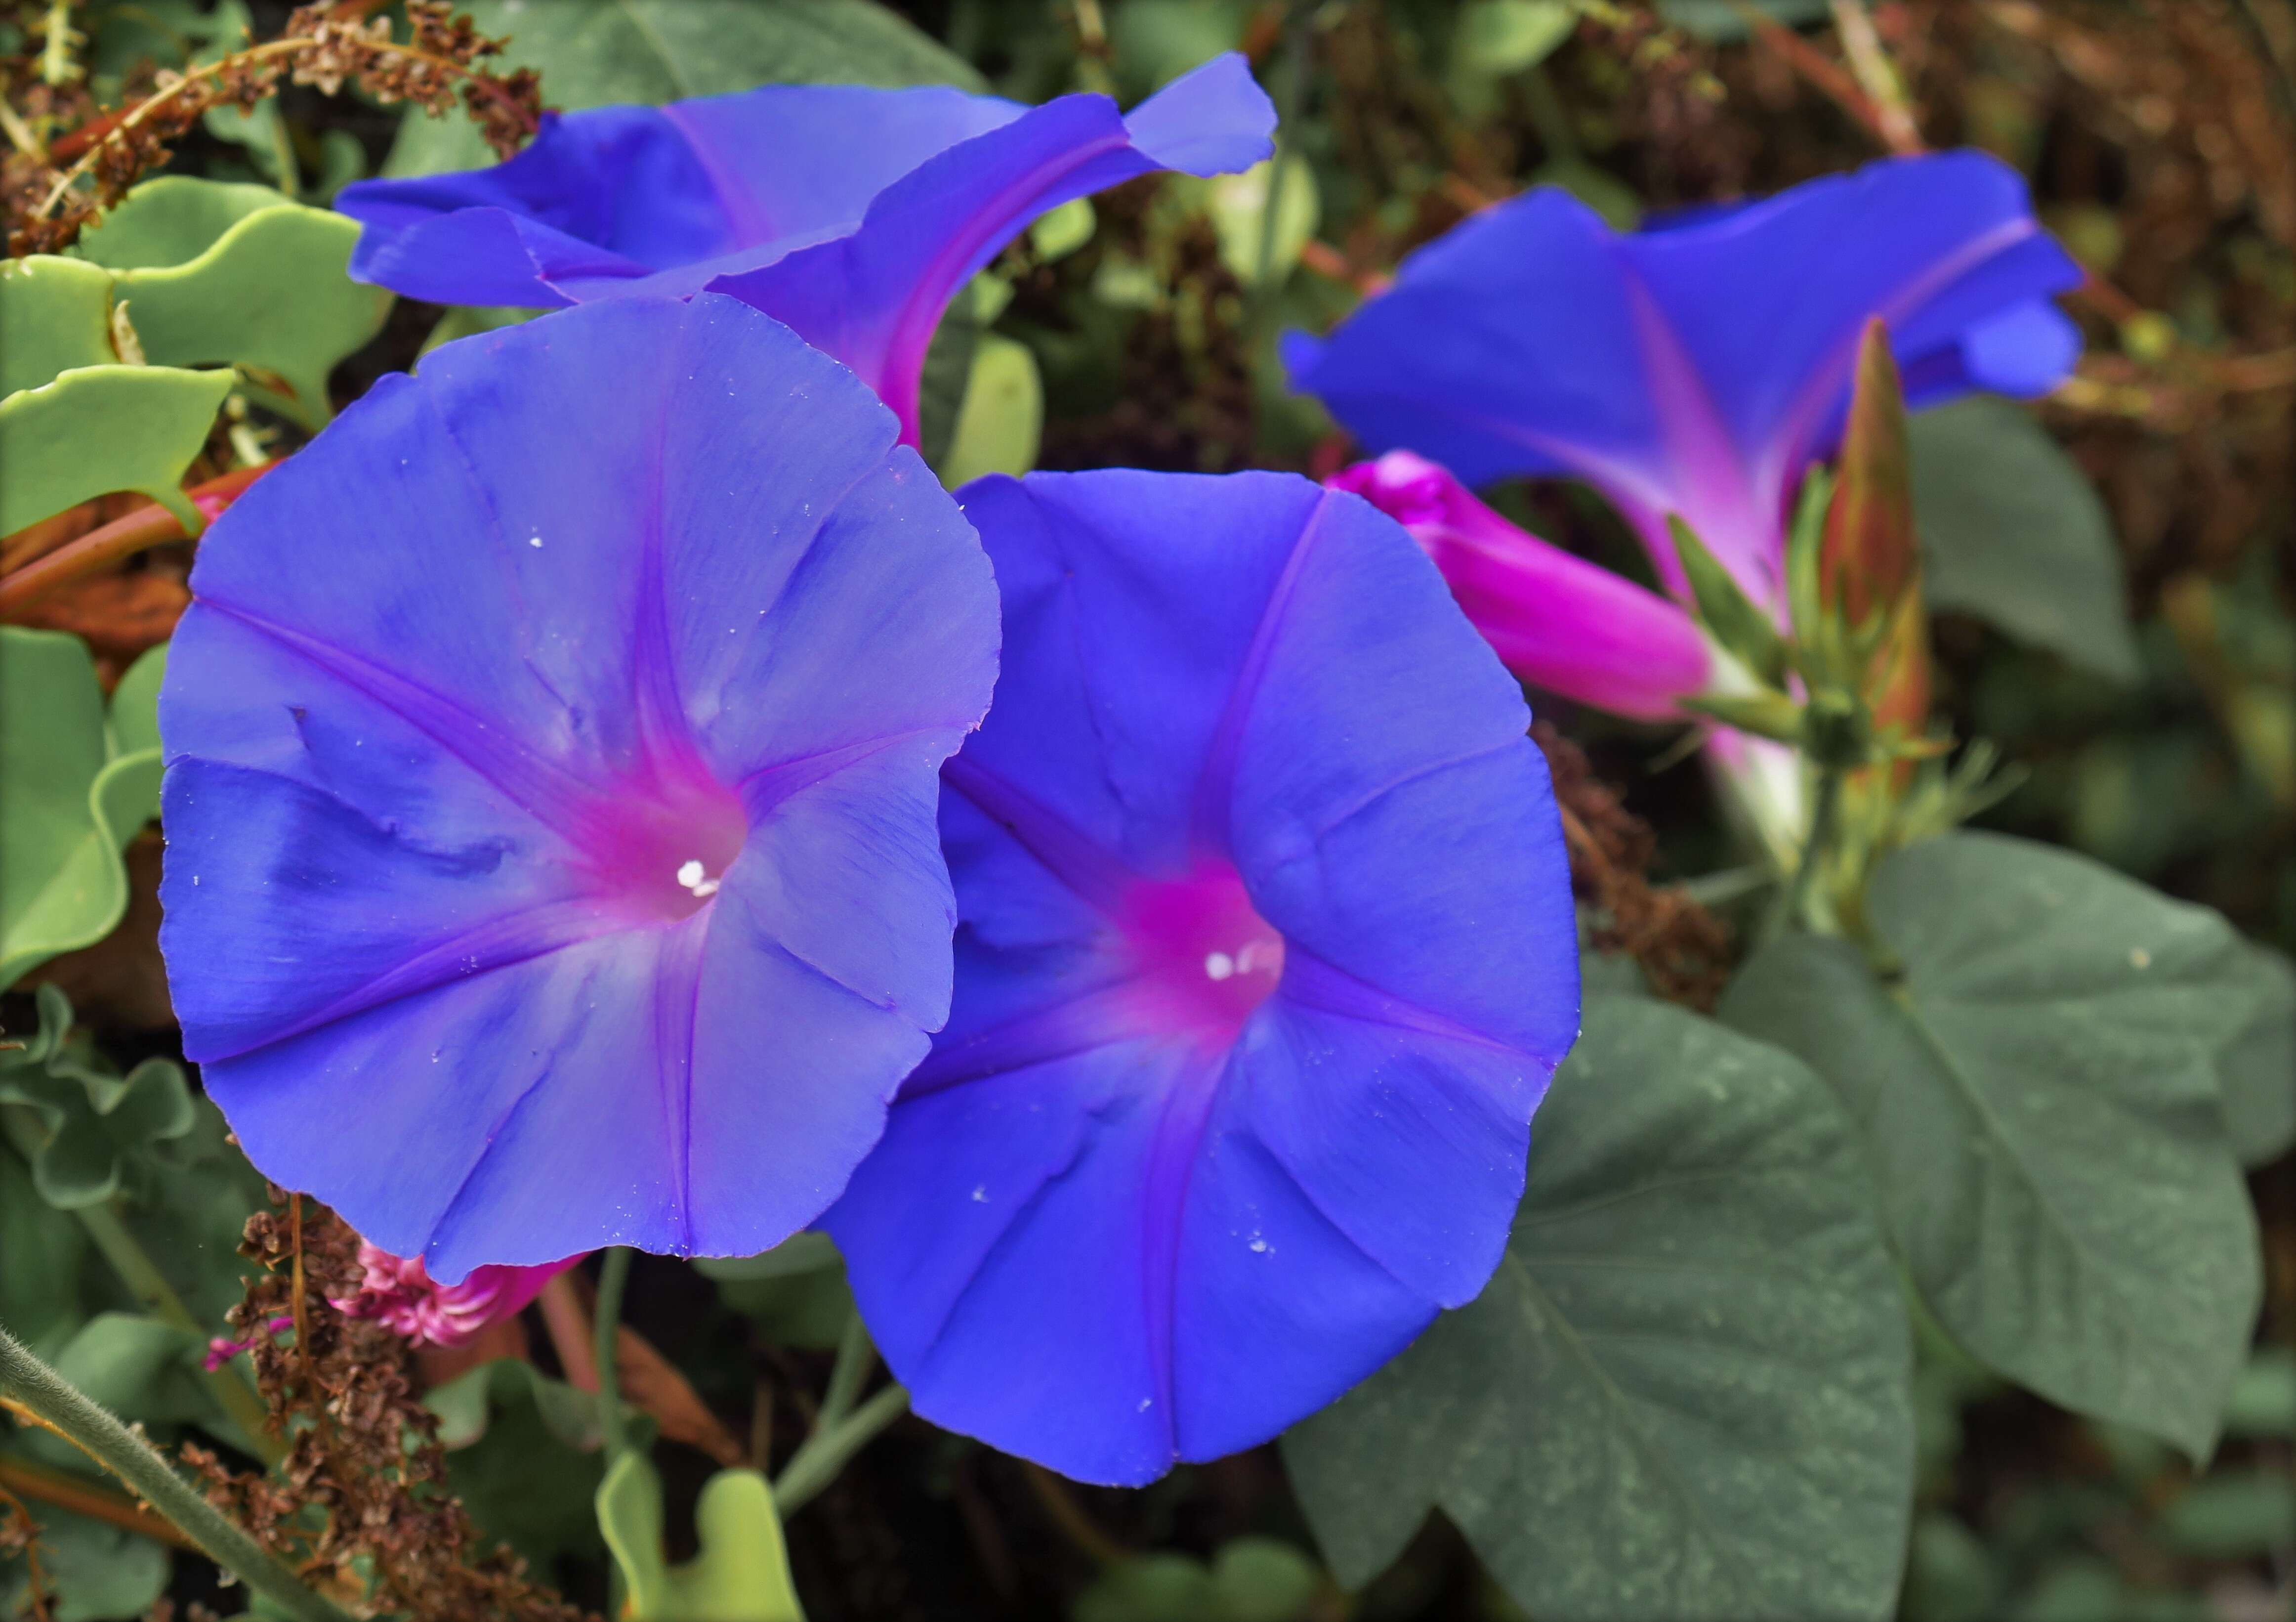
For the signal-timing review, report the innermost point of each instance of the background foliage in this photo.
(2114, 574)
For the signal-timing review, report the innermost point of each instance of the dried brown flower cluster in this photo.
(362, 1488)
(52, 190)
(1683, 948)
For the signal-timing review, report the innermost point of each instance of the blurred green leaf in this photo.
(39, 1287)
(1950, 1575)
(2232, 1514)
(237, 275)
(55, 314)
(1156, 41)
(2263, 1401)
(69, 801)
(2013, 533)
(95, 1572)
(1067, 228)
(609, 53)
(1721, 21)
(98, 429)
(1238, 207)
(2257, 1067)
(740, 1574)
(98, 1126)
(1684, 1393)
(1002, 421)
(2039, 1097)
(136, 703)
(530, 1475)
(947, 373)
(1494, 37)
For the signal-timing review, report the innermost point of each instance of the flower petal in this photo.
(873, 298)
(1105, 1229)
(654, 199)
(552, 754)
(1699, 368)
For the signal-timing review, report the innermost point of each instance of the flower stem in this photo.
(1795, 901)
(814, 1465)
(49, 1398)
(856, 1356)
(605, 1324)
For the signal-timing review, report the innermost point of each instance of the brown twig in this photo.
(36, 1587)
(1069, 1515)
(88, 1498)
(122, 537)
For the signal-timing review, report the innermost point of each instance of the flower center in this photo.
(1204, 957)
(668, 851)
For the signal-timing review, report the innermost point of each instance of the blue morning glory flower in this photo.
(1266, 956)
(1699, 368)
(851, 214)
(551, 771)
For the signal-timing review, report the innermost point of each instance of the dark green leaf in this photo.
(2039, 1098)
(39, 1284)
(2257, 1067)
(1686, 1392)
(95, 1572)
(947, 375)
(2013, 533)
(531, 1474)
(2232, 1514)
(1722, 21)
(608, 52)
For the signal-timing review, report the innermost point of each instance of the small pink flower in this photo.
(398, 1293)
(222, 1349)
(1556, 620)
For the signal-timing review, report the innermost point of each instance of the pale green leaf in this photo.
(741, 1572)
(2039, 1098)
(1686, 1391)
(612, 53)
(1002, 422)
(98, 429)
(2013, 533)
(96, 1572)
(67, 802)
(266, 289)
(55, 314)
(1238, 205)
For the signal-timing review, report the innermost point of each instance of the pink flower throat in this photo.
(1203, 960)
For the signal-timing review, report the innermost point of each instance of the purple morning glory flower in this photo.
(1700, 368)
(552, 772)
(1266, 957)
(851, 214)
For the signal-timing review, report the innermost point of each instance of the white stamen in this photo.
(1220, 966)
(690, 876)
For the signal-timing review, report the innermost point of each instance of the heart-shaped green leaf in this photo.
(2040, 1101)
(55, 314)
(1686, 1393)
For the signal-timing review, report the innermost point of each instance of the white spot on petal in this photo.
(1219, 965)
(980, 1194)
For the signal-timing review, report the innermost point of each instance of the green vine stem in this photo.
(605, 1327)
(814, 1465)
(49, 1398)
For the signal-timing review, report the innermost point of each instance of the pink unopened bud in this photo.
(1556, 621)
(399, 1294)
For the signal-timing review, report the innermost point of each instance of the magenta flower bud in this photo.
(1556, 621)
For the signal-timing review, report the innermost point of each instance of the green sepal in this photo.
(1764, 714)
(1723, 608)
